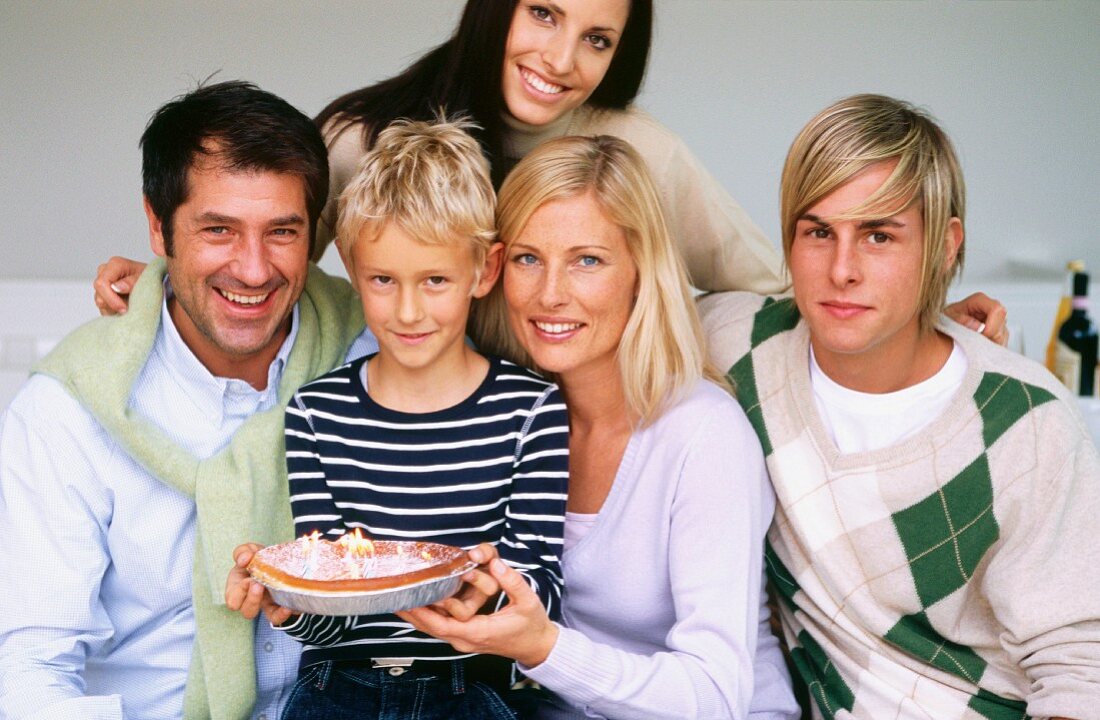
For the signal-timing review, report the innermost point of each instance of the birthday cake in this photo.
(353, 564)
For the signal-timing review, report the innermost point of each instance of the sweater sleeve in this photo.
(721, 509)
(345, 151)
(723, 249)
(535, 517)
(1042, 583)
(721, 245)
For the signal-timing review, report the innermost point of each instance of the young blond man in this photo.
(425, 440)
(934, 545)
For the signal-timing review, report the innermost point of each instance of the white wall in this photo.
(1015, 83)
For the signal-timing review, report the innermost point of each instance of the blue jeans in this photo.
(333, 691)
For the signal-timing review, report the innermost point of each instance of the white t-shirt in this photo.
(577, 526)
(861, 422)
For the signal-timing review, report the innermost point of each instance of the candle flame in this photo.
(356, 544)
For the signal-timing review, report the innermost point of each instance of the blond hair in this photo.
(431, 179)
(849, 136)
(661, 354)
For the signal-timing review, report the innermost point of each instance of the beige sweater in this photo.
(954, 575)
(722, 247)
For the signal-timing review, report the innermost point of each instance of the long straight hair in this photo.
(464, 76)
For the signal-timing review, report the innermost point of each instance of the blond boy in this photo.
(427, 439)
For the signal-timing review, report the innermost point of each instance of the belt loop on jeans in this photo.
(458, 677)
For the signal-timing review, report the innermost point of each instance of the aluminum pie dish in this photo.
(369, 602)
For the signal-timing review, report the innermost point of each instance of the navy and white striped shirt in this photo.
(493, 468)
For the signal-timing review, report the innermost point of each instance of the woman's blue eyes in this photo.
(587, 261)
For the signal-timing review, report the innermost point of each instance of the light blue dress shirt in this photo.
(95, 617)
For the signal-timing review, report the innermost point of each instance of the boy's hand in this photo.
(247, 596)
(478, 588)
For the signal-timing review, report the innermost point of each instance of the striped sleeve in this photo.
(311, 501)
(535, 516)
(313, 508)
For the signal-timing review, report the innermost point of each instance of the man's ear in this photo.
(952, 243)
(494, 260)
(156, 229)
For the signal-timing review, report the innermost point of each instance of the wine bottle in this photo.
(1065, 306)
(1078, 341)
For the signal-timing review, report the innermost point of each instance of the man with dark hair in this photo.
(147, 446)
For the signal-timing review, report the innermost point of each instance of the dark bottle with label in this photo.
(1077, 343)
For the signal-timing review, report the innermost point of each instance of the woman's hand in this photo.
(477, 589)
(982, 314)
(113, 282)
(520, 630)
(247, 596)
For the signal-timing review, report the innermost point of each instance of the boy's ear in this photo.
(156, 228)
(494, 260)
(953, 242)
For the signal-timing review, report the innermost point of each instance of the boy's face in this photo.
(858, 282)
(416, 296)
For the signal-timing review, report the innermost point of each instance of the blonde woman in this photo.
(668, 496)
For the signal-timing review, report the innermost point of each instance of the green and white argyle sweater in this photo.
(955, 575)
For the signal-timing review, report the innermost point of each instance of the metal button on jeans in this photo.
(397, 671)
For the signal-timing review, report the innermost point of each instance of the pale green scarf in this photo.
(240, 493)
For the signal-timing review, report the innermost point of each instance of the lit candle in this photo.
(313, 544)
(368, 558)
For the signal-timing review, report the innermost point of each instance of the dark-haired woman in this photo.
(532, 70)
(526, 71)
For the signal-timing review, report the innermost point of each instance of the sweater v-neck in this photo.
(605, 516)
(959, 411)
